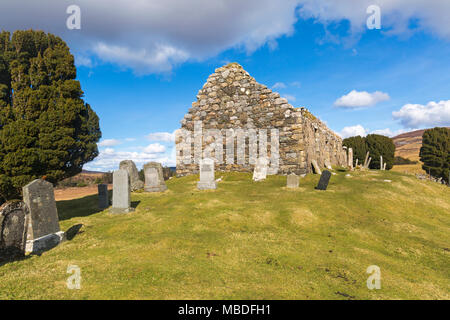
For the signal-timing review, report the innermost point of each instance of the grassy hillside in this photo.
(251, 240)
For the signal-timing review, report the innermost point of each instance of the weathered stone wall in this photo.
(232, 99)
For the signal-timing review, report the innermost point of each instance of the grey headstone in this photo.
(103, 196)
(328, 164)
(293, 181)
(261, 167)
(207, 177)
(121, 192)
(154, 178)
(350, 158)
(14, 219)
(324, 180)
(135, 182)
(40, 199)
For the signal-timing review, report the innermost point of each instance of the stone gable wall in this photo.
(232, 99)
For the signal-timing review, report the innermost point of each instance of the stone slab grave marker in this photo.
(293, 181)
(324, 180)
(366, 160)
(316, 167)
(135, 182)
(43, 229)
(121, 192)
(154, 178)
(207, 177)
(261, 167)
(103, 196)
(328, 165)
(350, 158)
(381, 162)
(14, 220)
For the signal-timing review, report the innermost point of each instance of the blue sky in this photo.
(317, 54)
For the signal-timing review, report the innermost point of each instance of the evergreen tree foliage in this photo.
(46, 129)
(435, 152)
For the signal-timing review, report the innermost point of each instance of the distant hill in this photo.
(407, 145)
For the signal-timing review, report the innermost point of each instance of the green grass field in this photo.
(249, 240)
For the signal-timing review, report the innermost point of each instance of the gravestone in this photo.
(293, 181)
(324, 180)
(328, 165)
(207, 177)
(43, 229)
(121, 192)
(135, 182)
(261, 167)
(350, 158)
(381, 162)
(366, 160)
(316, 167)
(14, 219)
(154, 178)
(103, 196)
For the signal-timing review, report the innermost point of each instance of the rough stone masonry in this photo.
(232, 99)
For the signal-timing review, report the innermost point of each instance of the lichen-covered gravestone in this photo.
(14, 219)
(293, 181)
(324, 180)
(121, 192)
(43, 229)
(261, 167)
(135, 182)
(103, 196)
(316, 167)
(154, 178)
(207, 177)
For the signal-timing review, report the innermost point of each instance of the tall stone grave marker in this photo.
(261, 167)
(121, 192)
(316, 167)
(381, 162)
(154, 178)
(350, 158)
(207, 177)
(324, 180)
(14, 219)
(103, 196)
(293, 181)
(43, 229)
(135, 182)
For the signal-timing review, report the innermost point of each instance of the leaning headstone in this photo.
(43, 229)
(14, 219)
(350, 158)
(366, 160)
(293, 181)
(356, 164)
(316, 167)
(103, 196)
(384, 166)
(381, 162)
(121, 192)
(328, 164)
(261, 167)
(135, 182)
(207, 177)
(154, 178)
(324, 180)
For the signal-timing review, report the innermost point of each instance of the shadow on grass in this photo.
(73, 231)
(134, 204)
(8, 256)
(81, 207)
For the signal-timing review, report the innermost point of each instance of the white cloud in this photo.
(434, 114)
(154, 35)
(162, 136)
(279, 85)
(388, 132)
(289, 97)
(109, 159)
(155, 148)
(352, 131)
(296, 84)
(361, 99)
(109, 143)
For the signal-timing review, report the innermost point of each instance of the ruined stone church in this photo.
(232, 99)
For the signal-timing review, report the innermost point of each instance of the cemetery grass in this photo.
(250, 240)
